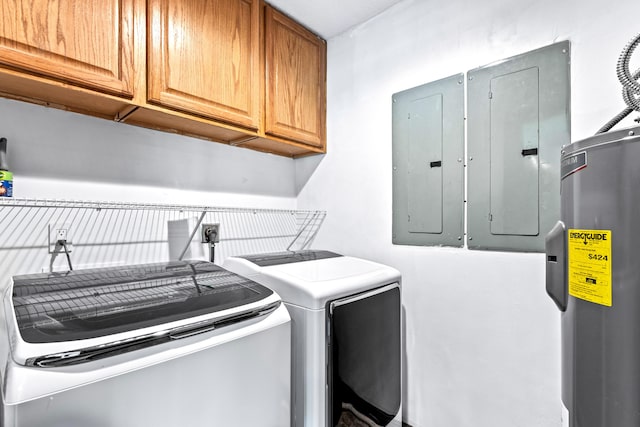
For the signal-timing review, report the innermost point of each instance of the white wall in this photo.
(57, 154)
(482, 337)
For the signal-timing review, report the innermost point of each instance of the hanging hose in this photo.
(611, 123)
(630, 85)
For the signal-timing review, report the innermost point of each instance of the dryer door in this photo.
(363, 356)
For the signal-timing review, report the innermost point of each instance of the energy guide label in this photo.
(590, 265)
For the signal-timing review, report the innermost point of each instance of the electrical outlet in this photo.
(61, 234)
(57, 232)
(210, 233)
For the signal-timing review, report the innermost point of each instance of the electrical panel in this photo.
(518, 120)
(428, 168)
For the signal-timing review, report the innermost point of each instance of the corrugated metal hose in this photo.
(630, 85)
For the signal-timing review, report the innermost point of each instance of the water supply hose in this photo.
(630, 85)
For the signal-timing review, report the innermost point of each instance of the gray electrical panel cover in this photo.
(518, 120)
(428, 170)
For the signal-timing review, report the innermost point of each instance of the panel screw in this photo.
(631, 133)
(395, 168)
(394, 100)
(459, 238)
(470, 158)
(470, 77)
(460, 81)
(564, 50)
(470, 238)
(459, 160)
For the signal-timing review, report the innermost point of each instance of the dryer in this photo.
(346, 335)
(168, 344)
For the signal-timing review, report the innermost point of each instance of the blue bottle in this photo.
(6, 177)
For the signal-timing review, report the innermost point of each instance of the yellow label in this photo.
(590, 265)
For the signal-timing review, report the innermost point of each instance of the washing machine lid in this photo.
(86, 304)
(313, 278)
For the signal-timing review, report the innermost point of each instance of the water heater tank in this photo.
(593, 276)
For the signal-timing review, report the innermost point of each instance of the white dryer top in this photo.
(313, 283)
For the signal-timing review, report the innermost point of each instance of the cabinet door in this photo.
(296, 81)
(204, 58)
(87, 43)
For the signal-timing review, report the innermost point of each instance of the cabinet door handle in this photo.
(530, 152)
(436, 164)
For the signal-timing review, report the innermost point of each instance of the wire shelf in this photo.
(103, 233)
(99, 205)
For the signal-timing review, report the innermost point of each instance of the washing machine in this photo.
(163, 345)
(346, 335)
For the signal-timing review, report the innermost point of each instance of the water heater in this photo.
(593, 276)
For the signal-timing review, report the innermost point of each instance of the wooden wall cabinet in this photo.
(204, 58)
(88, 43)
(296, 81)
(232, 71)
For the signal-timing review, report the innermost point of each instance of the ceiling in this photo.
(328, 18)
